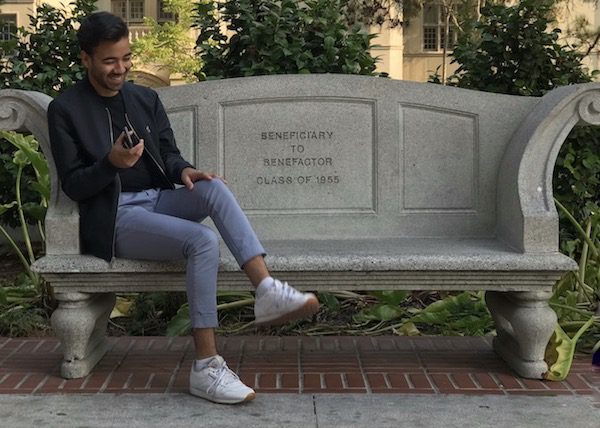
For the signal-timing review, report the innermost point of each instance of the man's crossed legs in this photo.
(164, 225)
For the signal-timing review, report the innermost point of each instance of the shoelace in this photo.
(223, 376)
(284, 290)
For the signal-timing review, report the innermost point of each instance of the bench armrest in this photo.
(527, 217)
(25, 111)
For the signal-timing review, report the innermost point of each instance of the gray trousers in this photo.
(164, 225)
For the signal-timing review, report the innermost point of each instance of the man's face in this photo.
(108, 66)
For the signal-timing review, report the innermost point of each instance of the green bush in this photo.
(576, 182)
(170, 44)
(44, 58)
(511, 51)
(280, 37)
(8, 178)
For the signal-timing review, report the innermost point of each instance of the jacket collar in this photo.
(125, 90)
(134, 114)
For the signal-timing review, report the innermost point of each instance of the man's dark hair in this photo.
(100, 27)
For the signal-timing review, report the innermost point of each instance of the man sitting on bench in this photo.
(116, 156)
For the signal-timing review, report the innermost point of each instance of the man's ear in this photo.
(86, 59)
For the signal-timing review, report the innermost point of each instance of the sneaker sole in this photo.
(202, 394)
(309, 308)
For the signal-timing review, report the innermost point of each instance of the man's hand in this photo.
(191, 175)
(122, 157)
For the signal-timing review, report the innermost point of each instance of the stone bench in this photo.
(353, 183)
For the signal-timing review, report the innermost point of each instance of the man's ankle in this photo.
(201, 363)
(264, 285)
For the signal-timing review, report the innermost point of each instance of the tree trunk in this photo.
(480, 4)
(447, 11)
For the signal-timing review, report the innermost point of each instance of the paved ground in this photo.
(301, 381)
(305, 410)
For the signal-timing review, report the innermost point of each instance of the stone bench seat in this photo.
(354, 264)
(352, 183)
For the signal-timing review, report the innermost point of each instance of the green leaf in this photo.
(465, 313)
(391, 297)
(34, 210)
(5, 207)
(181, 323)
(328, 43)
(43, 189)
(560, 351)
(449, 304)
(330, 301)
(122, 307)
(20, 159)
(431, 317)
(380, 313)
(408, 329)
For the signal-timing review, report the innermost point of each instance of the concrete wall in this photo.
(568, 23)
(389, 50)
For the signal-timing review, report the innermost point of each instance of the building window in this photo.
(162, 15)
(434, 21)
(129, 10)
(8, 27)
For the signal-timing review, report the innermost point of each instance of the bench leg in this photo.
(80, 322)
(524, 325)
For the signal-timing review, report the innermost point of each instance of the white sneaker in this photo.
(281, 303)
(216, 382)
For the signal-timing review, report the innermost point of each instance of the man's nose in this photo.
(120, 67)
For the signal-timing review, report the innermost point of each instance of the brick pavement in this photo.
(292, 364)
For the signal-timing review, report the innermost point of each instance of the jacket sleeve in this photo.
(80, 177)
(174, 162)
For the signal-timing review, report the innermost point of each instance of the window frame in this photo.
(6, 26)
(161, 15)
(127, 6)
(438, 30)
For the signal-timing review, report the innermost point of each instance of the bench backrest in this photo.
(338, 156)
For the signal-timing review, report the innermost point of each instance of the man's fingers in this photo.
(123, 157)
(120, 139)
(189, 176)
(211, 176)
(187, 181)
(138, 148)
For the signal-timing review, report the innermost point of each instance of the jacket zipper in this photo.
(160, 168)
(112, 140)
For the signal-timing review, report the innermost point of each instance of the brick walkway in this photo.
(384, 364)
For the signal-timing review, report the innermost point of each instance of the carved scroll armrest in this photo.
(25, 111)
(527, 217)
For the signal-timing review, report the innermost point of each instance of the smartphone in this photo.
(130, 138)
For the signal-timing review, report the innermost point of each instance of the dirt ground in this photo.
(9, 265)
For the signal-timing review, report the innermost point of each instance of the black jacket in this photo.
(80, 137)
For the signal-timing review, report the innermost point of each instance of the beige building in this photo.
(412, 52)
